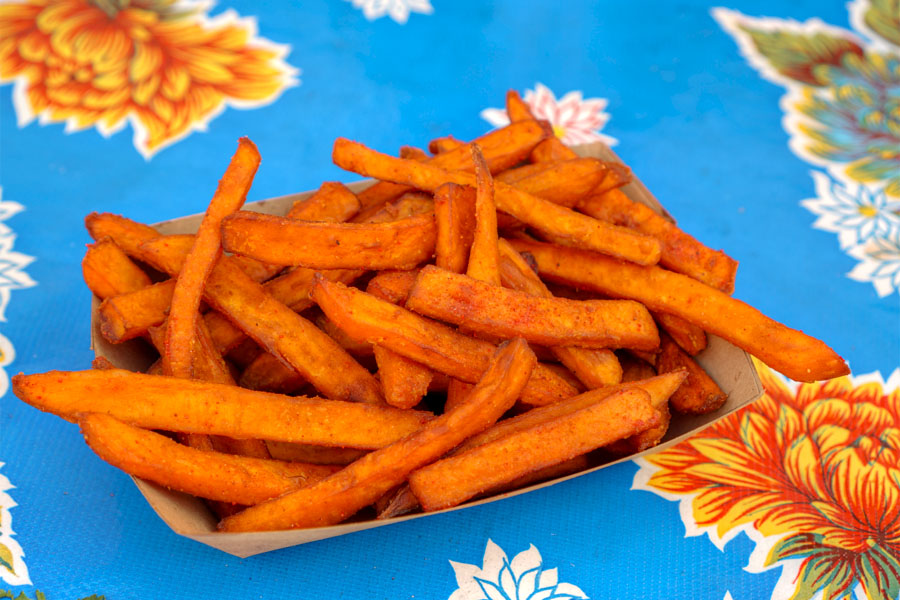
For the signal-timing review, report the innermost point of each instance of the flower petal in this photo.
(803, 466)
(548, 578)
(525, 561)
(507, 582)
(146, 61)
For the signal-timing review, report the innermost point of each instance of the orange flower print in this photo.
(162, 65)
(812, 475)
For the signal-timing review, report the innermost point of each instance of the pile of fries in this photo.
(488, 316)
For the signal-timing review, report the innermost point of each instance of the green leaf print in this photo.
(6, 558)
(39, 595)
(796, 56)
(883, 18)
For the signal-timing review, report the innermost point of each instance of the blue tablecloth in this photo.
(769, 129)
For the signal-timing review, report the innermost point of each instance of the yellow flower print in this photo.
(817, 469)
(157, 64)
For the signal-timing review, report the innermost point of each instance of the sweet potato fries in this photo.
(494, 314)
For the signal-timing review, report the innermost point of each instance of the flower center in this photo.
(559, 131)
(868, 211)
(84, 74)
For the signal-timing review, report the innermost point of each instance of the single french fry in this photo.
(183, 314)
(413, 153)
(224, 334)
(407, 205)
(109, 272)
(699, 394)
(266, 373)
(444, 144)
(454, 480)
(506, 313)
(563, 224)
(659, 388)
(511, 176)
(483, 255)
(645, 439)
(404, 381)
(240, 447)
(281, 331)
(788, 351)
(457, 392)
(333, 202)
(559, 289)
(213, 475)
(454, 213)
(127, 234)
(127, 316)
(438, 346)
(155, 368)
(593, 367)
(317, 455)
(276, 240)
(341, 495)
(680, 251)
(172, 404)
(551, 150)
(509, 226)
(393, 286)
(292, 288)
(353, 346)
(403, 501)
(243, 354)
(207, 363)
(573, 465)
(516, 108)
(101, 363)
(648, 357)
(502, 148)
(660, 401)
(258, 271)
(691, 338)
(564, 182)
(439, 383)
(636, 368)
(618, 175)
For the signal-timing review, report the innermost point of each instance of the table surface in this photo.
(769, 129)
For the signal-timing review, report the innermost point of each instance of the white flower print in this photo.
(524, 578)
(879, 263)
(12, 568)
(12, 276)
(398, 10)
(12, 264)
(575, 120)
(856, 212)
(7, 355)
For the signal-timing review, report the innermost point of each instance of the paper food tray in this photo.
(731, 368)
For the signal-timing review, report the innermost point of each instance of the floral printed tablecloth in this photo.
(767, 128)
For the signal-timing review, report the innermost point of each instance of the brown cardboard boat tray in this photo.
(729, 366)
